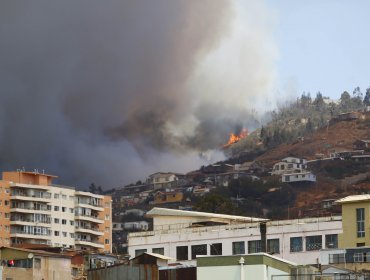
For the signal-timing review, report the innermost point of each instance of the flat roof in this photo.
(157, 211)
(354, 198)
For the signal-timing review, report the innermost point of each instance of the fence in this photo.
(124, 272)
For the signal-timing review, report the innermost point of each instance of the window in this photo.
(7, 190)
(64, 221)
(37, 263)
(254, 246)
(64, 234)
(216, 249)
(56, 208)
(336, 258)
(72, 235)
(313, 242)
(197, 250)
(273, 246)
(56, 233)
(139, 252)
(7, 228)
(56, 221)
(7, 215)
(360, 219)
(238, 248)
(296, 244)
(107, 217)
(64, 196)
(6, 202)
(358, 257)
(107, 229)
(362, 244)
(107, 205)
(107, 241)
(64, 209)
(182, 253)
(71, 223)
(158, 251)
(56, 196)
(71, 210)
(331, 241)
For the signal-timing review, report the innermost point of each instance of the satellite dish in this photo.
(30, 256)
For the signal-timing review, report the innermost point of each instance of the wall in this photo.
(282, 230)
(4, 213)
(124, 272)
(349, 237)
(106, 227)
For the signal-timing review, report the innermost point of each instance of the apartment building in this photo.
(182, 235)
(37, 212)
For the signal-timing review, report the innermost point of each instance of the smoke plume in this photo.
(110, 91)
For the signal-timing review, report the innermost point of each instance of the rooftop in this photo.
(354, 198)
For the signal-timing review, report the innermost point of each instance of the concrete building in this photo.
(356, 221)
(162, 180)
(183, 235)
(244, 267)
(37, 212)
(34, 264)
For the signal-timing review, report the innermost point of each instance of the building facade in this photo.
(37, 212)
(182, 235)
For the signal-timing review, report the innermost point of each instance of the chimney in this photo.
(263, 229)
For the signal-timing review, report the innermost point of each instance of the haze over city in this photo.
(109, 92)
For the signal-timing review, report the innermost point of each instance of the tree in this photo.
(319, 101)
(357, 97)
(92, 188)
(345, 101)
(215, 203)
(367, 97)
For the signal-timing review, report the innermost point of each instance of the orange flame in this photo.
(236, 138)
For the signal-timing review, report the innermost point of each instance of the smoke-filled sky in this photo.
(112, 91)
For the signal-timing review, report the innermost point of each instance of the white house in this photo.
(161, 180)
(293, 169)
(183, 235)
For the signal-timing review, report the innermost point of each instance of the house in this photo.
(293, 170)
(224, 179)
(361, 144)
(168, 197)
(298, 177)
(289, 165)
(162, 180)
(200, 190)
(183, 235)
(217, 168)
(34, 264)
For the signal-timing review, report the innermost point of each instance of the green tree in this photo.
(319, 101)
(215, 203)
(367, 97)
(345, 101)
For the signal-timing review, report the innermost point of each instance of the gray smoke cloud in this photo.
(110, 91)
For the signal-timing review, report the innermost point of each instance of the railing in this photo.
(89, 228)
(39, 195)
(86, 240)
(48, 221)
(12, 231)
(30, 208)
(186, 228)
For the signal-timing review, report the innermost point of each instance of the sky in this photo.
(110, 92)
(322, 45)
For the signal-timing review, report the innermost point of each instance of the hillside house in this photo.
(224, 179)
(361, 144)
(168, 197)
(289, 165)
(162, 180)
(292, 169)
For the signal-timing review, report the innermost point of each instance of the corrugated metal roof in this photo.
(354, 198)
(156, 211)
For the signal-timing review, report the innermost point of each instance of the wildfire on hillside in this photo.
(236, 137)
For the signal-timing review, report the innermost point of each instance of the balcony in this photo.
(89, 218)
(93, 206)
(39, 197)
(30, 209)
(90, 230)
(90, 243)
(30, 222)
(28, 234)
